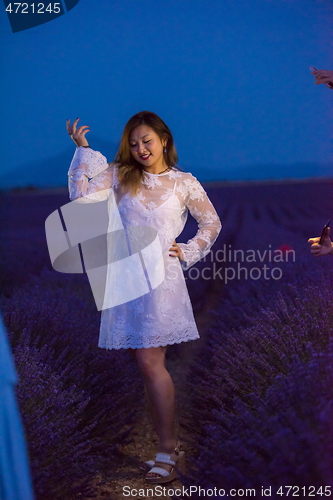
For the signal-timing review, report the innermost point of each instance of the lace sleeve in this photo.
(202, 209)
(89, 176)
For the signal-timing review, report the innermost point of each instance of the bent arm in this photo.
(202, 209)
(89, 176)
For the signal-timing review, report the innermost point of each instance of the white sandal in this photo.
(146, 466)
(165, 475)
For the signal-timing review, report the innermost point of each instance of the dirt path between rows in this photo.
(143, 439)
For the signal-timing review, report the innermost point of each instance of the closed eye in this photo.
(144, 142)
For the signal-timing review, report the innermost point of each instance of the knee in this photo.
(149, 366)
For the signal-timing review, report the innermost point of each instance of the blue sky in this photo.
(229, 77)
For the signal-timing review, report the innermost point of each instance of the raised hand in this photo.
(323, 76)
(325, 248)
(77, 134)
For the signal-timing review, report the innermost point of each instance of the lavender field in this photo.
(258, 409)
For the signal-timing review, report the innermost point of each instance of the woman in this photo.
(150, 191)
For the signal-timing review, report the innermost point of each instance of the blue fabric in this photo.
(7, 367)
(15, 482)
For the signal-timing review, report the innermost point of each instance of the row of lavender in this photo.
(261, 401)
(77, 401)
(72, 394)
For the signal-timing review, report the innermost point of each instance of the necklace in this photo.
(159, 172)
(164, 170)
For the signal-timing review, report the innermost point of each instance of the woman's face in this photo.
(147, 147)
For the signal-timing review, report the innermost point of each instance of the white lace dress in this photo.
(163, 316)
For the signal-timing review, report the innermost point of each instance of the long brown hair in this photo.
(130, 171)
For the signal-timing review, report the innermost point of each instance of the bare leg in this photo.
(150, 406)
(161, 396)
